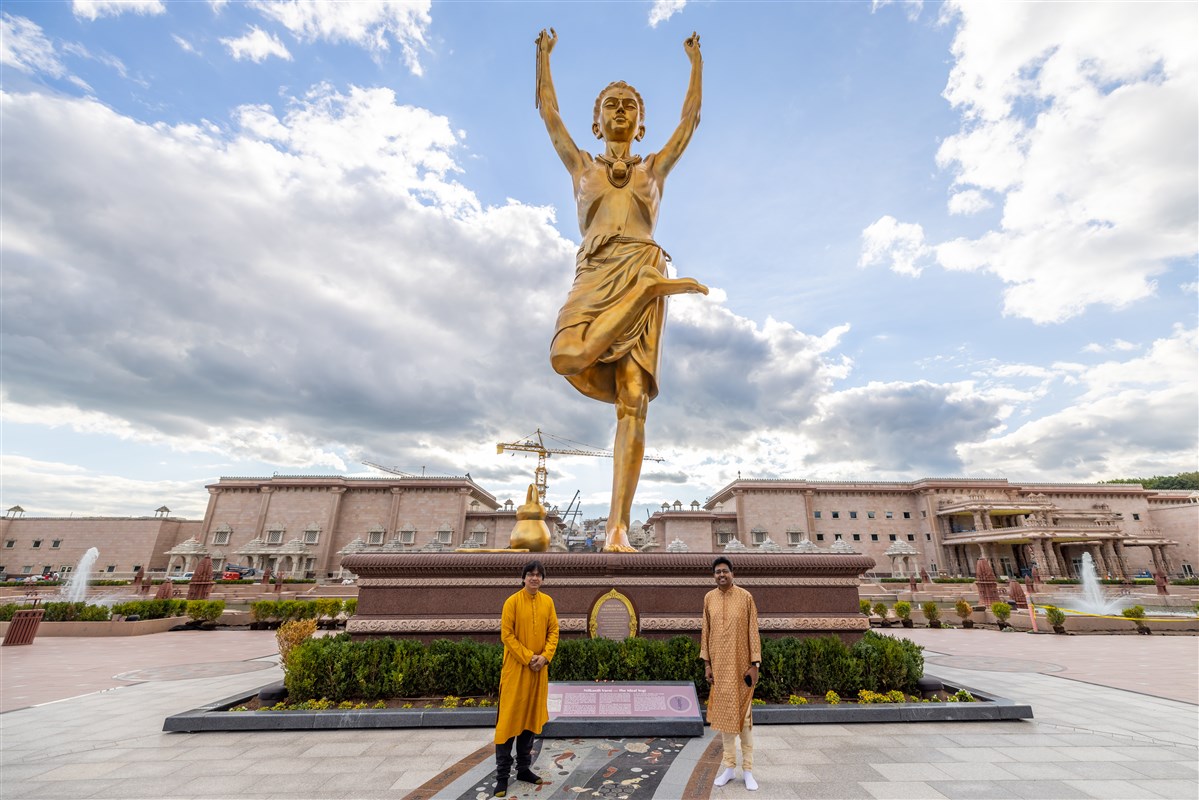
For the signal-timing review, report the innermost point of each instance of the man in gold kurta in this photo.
(529, 631)
(732, 653)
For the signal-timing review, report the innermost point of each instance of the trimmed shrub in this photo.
(1055, 616)
(290, 635)
(151, 609)
(339, 669)
(903, 609)
(963, 609)
(931, 613)
(830, 666)
(864, 605)
(888, 664)
(62, 612)
(95, 614)
(1002, 612)
(7, 610)
(205, 610)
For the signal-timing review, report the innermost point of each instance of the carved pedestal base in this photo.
(432, 595)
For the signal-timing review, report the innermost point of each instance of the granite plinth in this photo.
(216, 717)
(428, 596)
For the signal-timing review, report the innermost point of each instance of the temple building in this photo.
(943, 526)
(302, 526)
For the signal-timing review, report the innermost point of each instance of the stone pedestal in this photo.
(429, 596)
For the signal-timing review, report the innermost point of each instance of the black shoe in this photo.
(501, 786)
(528, 776)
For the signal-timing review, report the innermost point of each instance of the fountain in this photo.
(75, 590)
(1092, 600)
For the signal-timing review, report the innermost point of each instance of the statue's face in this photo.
(620, 116)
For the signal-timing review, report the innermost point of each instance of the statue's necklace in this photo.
(619, 169)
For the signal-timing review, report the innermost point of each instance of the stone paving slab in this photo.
(1088, 740)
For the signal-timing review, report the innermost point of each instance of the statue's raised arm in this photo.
(689, 120)
(547, 104)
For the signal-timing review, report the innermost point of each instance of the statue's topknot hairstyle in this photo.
(618, 85)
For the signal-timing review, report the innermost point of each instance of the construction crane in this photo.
(392, 470)
(535, 443)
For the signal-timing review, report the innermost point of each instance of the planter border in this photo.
(215, 716)
(108, 627)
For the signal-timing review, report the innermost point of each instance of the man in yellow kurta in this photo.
(529, 631)
(732, 653)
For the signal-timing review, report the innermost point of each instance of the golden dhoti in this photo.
(606, 270)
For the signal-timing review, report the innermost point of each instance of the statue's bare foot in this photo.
(658, 285)
(617, 541)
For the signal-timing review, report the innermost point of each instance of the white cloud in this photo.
(57, 488)
(1132, 418)
(1084, 118)
(93, 9)
(257, 45)
(24, 46)
(184, 44)
(218, 5)
(900, 243)
(371, 26)
(970, 201)
(663, 10)
(911, 7)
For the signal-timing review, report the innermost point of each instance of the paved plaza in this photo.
(1116, 717)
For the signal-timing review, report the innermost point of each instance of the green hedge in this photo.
(953, 580)
(286, 610)
(151, 609)
(339, 669)
(205, 610)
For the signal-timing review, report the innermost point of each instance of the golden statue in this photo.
(609, 332)
(530, 534)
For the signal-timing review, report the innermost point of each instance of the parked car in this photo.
(187, 576)
(242, 572)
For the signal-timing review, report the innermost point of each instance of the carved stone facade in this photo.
(306, 525)
(943, 526)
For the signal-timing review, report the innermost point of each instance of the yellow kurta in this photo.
(729, 643)
(528, 627)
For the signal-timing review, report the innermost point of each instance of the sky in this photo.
(279, 237)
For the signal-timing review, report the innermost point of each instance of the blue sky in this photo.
(280, 237)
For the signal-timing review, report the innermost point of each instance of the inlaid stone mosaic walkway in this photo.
(617, 769)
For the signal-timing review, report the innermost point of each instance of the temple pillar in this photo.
(1097, 557)
(393, 513)
(206, 527)
(978, 520)
(464, 503)
(1059, 552)
(1113, 563)
(1167, 561)
(1120, 559)
(264, 505)
(325, 565)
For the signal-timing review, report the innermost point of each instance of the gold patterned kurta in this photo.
(528, 627)
(729, 643)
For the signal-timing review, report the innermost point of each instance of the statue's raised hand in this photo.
(546, 41)
(691, 46)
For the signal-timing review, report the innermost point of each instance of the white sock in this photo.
(724, 777)
(750, 783)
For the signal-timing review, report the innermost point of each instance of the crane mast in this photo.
(535, 443)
